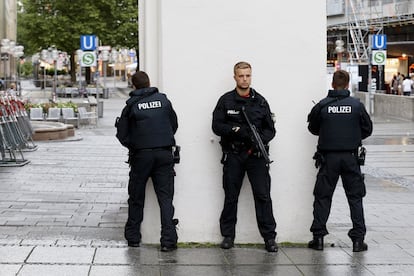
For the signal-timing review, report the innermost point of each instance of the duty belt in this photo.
(338, 151)
(153, 149)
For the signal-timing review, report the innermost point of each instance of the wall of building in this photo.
(8, 29)
(341, 11)
(2, 18)
(395, 106)
(8, 19)
(189, 49)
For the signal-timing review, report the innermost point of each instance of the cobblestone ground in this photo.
(64, 215)
(389, 174)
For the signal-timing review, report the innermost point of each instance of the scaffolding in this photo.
(369, 17)
(363, 20)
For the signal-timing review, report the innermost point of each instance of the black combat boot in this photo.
(359, 245)
(271, 246)
(227, 243)
(316, 243)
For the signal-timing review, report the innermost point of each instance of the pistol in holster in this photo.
(130, 156)
(176, 154)
(319, 159)
(361, 155)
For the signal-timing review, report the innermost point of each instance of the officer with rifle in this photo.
(243, 120)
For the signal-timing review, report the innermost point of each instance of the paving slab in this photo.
(386, 269)
(9, 269)
(126, 256)
(61, 255)
(125, 270)
(337, 270)
(255, 256)
(74, 226)
(53, 270)
(14, 254)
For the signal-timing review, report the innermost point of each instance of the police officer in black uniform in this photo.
(241, 155)
(152, 125)
(341, 122)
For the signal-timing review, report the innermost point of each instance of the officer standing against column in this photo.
(341, 122)
(241, 155)
(152, 123)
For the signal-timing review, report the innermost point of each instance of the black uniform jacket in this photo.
(227, 114)
(340, 121)
(152, 119)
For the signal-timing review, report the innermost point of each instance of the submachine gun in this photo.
(256, 138)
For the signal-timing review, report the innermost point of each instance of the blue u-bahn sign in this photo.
(379, 42)
(88, 42)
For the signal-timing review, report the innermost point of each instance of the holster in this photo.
(319, 159)
(176, 154)
(361, 155)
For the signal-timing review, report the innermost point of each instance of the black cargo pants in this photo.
(344, 164)
(234, 168)
(157, 164)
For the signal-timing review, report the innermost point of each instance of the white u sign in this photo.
(379, 42)
(88, 42)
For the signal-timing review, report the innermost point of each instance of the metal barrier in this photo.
(15, 132)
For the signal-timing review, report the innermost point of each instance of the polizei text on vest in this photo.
(149, 105)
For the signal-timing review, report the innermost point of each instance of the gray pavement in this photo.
(64, 213)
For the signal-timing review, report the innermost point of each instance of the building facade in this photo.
(8, 19)
(355, 22)
(8, 30)
(189, 49)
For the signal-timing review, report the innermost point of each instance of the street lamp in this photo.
(105, 58)
(54, 54)
(4, 50)
(124, 52)
(79, 54)
(36, 63)
(114, 58)
(339, 50)
(44, 57)
(50, 55)
(8, 50)
(18, 53)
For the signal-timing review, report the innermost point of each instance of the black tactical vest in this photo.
(340, 128)
(153, 122)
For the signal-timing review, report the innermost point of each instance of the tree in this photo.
(43, 23)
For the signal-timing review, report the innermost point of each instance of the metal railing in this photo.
(15, 132)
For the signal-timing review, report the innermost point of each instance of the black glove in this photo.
(241, 132)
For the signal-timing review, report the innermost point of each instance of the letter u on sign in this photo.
(88, 42)
(379, 42)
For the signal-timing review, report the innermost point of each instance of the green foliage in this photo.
(61, 23)
(51, 72)
(46, 106)
(25, 69)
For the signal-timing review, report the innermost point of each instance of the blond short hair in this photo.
(241, 65)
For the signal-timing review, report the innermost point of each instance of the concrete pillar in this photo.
(189, 49)
(150, 38)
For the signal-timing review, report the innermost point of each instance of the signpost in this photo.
(88, 42)
(379, 57)
(88, 58)
(379, 42)
(377, 47)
